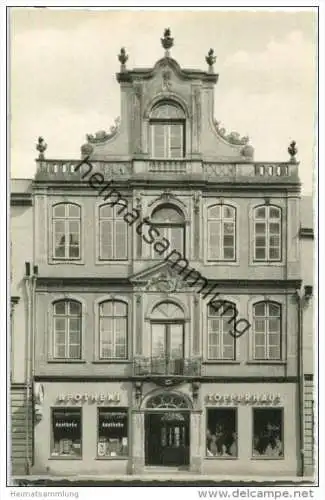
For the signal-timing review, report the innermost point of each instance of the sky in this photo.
(63, 86)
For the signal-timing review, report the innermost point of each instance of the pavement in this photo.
(161, 480)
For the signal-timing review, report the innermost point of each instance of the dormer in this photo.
(167, 112)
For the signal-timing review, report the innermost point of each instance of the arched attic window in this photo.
(167, 131)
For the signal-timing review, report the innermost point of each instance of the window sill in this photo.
(266, 362)
(111, 261)
(110, 361)
(267, 458)
(67, 361)
(126, 457)
(221, 362)
(64, 458)
(221, 458)
(267, 263)
(66, 261)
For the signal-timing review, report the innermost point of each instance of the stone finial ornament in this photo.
(211, 58)
(41, 148)
(292, 150)
(167, 41)
(123, 57)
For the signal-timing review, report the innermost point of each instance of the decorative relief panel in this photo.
(165, 282)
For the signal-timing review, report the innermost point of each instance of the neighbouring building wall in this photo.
(21, 245)
(307, 275)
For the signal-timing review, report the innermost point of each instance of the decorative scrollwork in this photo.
(102, 135)
(232, 137)
(168, 400)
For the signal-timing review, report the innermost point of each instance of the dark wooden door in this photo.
(167, 438)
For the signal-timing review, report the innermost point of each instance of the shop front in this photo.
(118, 428)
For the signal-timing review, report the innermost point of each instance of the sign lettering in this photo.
(235, 399)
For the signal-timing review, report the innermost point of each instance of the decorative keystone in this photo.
(211, 58)
(292, 150)
(167, 41)
(123, 57)
(41, 148)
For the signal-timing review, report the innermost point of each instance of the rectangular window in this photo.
(66, 433)
(167, 140)
(221, 433)
(112, 433)
(175, 237)
(268, 433)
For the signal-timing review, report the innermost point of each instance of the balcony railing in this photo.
(161, 366)
(209, 171)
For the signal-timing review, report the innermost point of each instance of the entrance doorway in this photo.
(167, 430)
(167, 438)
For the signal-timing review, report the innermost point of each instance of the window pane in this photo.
(274, 228)
(259, 325)
(66, 432)
(268, 433)
(106, 308)
(228, 241)
(106, 240)
(60, 324)
(214, 212)
(273, 310)
(228, 228)
(73, 211)
(259, 309)
(176, 141)
(158, 340)
(260, 241)
(74, 352)
(274, 253)
(260, 213)
(260, 352)
(260, 228)
(274, 213)
(274, 241)
(60, 307)
(112, 433)
(229, 253)
(158, 140)
(228, 212)
(59, 210)
(106, 211)
(119, 309)
(121, 239)
(221, 433)
(260, 253)
(74, 308)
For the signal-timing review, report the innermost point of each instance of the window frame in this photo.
(66, 220)
(214, 408)
(220, 318)
(222, 221)
(267, 333)
(113, 317)
(63, 409)
(262, 457)
(66, 317)
(267, 221)
(166, 125)
(113, 220)
(116, 409)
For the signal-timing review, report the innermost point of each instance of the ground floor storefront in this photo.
(134, 428)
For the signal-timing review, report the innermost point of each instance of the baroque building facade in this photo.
(166, 302)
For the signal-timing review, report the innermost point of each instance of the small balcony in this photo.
(162, 366)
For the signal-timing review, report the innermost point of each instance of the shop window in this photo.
(66, 433)
(268, 433)
(221, 433)
(112, 433)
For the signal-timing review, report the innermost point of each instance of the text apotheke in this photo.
(78, 397)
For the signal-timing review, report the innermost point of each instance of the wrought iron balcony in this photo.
(163, 366)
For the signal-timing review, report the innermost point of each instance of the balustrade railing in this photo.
(162, 366)
(210, 171)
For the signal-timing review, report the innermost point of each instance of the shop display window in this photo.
(112, 433)
(66, 432)
(268, 433)
(221, 433)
